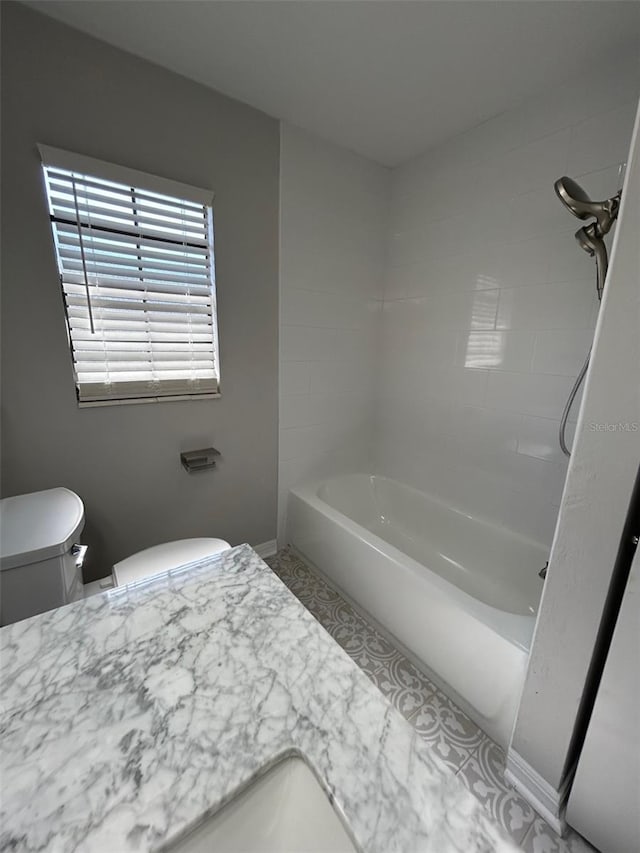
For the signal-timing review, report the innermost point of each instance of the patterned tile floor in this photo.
(463, 747)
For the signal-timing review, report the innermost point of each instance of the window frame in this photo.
(87, 168)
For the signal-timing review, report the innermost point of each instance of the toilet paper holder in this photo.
(199, 460)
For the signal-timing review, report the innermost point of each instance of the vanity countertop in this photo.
(128, 717)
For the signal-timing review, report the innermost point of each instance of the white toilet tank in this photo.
(40, 555)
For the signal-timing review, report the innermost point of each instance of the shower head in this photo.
(589, 239)
(573, 197)
(578, 202)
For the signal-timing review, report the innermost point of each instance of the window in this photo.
(135, 256)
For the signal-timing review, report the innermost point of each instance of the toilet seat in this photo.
(162, 558)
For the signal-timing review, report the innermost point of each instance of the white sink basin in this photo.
(284, 811)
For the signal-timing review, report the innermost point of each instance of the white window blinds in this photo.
(135, 255)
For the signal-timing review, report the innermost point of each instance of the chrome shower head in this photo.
(578, 202)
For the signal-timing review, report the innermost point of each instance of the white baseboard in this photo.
(266, 549)
(545, 799)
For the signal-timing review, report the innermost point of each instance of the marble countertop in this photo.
(128, 717)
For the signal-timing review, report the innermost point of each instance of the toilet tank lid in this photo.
(38, 526)
(163, 558)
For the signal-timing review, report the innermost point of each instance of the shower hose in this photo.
(569, 404)
(565, 415)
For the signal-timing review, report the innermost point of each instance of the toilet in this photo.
(41, 556)
(162, 558)
(40, 552)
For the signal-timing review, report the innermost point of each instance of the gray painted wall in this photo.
(66, 89)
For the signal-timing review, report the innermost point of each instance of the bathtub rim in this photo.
(516, 628)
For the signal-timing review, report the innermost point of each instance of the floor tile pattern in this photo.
(483, 774)
(454, 736)
(542, 839)
(456, 739)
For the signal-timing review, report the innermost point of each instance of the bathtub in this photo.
(457, 593)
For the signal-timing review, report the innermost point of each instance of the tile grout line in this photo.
(476, 750)
(529, 831)
(464, 764)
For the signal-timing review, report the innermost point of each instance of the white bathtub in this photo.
(458, 593)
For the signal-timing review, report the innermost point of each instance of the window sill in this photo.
(93, 404)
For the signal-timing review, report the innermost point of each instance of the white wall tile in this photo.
(459, 384)
(334, 208)
(419, 424)
(561, 352)
(538, 213)
(341, 377)
(321, 309)
(464, 309)
(303, 343)
(552, 306)
(538, 437)
(566, 262)
(532, 394)
(331, 272)
(478, 432)
(294, 377)
(602, 140)
(525, 262)
(480, 214)
(603, 183)
(533, 163)
(301, 441)
(434, 317)
(499, 350)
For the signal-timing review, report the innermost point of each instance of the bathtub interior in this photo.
(488, 562)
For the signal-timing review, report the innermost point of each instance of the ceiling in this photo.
(385, 78)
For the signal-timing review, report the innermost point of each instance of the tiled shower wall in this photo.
(489, 304)
(333, 217)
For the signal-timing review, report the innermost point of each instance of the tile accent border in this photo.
(544, 798)
(266, 549)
